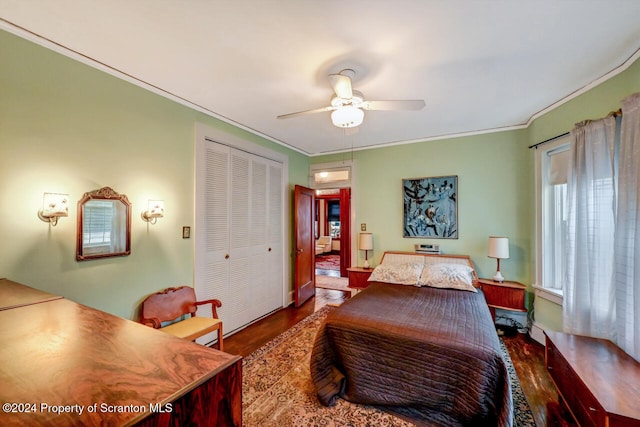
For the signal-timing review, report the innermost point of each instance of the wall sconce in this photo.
(154, 211)
(499, 249)
(366, 245)
(54, 205)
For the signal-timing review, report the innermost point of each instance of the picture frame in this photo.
(430, 207)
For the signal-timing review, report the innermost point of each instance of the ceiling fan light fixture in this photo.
(347, 117)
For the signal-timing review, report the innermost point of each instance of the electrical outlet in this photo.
(363, 227)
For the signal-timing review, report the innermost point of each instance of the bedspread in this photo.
(431, 352)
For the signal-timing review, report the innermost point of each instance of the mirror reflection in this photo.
(104, 220)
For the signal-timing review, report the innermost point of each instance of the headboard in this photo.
(393, 257)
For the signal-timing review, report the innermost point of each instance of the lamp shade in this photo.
(347, 117)
(55, 205)
(498, 247)
(366, 241)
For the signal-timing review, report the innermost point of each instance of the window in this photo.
(98, 218)
(333, 217)
(552, 162)
(330, 175)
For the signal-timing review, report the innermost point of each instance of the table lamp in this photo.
(366, 245)
(499, 249)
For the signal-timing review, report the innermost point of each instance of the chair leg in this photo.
(220, 345)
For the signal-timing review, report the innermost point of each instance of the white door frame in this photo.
(351, 183)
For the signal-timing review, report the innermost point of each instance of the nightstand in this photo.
(359, 276)
(506, 295)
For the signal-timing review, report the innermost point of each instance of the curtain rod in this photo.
(548, 140)
(616, 113)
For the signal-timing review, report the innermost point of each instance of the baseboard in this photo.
(537, 333)
(292, 298)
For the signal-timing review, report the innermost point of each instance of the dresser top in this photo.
(14, 295)
(610, 374)
(59, 352)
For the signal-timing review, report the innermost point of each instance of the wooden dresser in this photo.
(65, 364)
(599, 383)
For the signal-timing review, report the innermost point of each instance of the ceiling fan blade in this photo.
(410, 104)
(302, 113)
(341, 85)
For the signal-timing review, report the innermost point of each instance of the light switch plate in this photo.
(363, 227)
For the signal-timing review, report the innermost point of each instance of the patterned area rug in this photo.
(328, 262)
(277, 388)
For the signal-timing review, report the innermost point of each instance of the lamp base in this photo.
(498, 277)
(366, 264)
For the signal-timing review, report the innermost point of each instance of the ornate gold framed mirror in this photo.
(104, 225)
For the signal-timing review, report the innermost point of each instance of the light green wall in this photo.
(494, 179)
(66, 127)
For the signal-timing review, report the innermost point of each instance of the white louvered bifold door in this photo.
(212, 228)
(275, 232)
(240, 251)
(239, 257)
(258, 227)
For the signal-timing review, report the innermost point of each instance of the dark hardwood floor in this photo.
(527, 355)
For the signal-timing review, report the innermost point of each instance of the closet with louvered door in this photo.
(239, 233)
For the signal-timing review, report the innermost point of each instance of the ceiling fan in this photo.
(348, 105)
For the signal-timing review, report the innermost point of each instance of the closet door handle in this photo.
(269, 249)
(226, 256)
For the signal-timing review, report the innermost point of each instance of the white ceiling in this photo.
(479, 65)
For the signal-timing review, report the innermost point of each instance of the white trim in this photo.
(537, 333)
(59, 48)
(217, 135)
(539, 171)
(331, 167)
(553, 295)
(425, 139)
(614, 72)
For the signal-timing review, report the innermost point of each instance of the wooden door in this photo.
(345, 231)
(305, 278)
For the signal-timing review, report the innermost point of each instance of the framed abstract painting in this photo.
(430, 207)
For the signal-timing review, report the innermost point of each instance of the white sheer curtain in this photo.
(627, 236)
(589, 297)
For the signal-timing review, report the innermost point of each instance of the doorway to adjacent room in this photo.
(332, 223)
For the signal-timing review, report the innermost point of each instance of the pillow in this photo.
(402, 274)
(452, 276)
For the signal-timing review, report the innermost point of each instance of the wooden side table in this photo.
(506, 295)
(358, 277)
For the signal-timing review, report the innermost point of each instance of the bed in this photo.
(416, 342)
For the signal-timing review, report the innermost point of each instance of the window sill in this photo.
(553, 295)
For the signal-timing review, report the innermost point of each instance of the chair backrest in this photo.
(168, 304)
